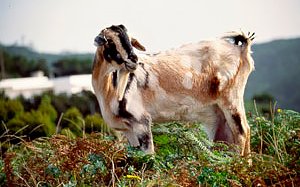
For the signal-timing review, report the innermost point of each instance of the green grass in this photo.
(184, 157)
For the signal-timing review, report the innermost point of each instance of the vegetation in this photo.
(87, 153)
(48, 114)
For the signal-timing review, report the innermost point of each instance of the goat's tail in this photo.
(243, 41)
(239, 38)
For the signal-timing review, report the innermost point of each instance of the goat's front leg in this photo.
(237, 122)
(140, 135)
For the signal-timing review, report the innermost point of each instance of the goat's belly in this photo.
(180, 109)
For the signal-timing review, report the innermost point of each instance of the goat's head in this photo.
(118, 46)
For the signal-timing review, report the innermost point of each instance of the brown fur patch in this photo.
(214, 86)
(170, 77)
(148, 95)
(237, 119)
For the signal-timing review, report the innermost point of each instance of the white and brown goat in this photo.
(202, 82)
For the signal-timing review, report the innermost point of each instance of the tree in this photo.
(71, 66)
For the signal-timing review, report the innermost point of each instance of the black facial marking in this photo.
(114, 78)
(123, 38)
(110, 53)
(122, 110)
(237, 119)
(144, 140)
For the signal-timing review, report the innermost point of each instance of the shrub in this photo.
(95, 123)
(73, 120)
(9, 109)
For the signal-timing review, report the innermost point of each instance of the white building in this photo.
(72, 84)
(36, 85)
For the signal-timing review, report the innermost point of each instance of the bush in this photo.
(95, 123)
(72, 120)
(9, 109)
(36, 123)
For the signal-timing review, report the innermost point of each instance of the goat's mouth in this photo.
(130, 65)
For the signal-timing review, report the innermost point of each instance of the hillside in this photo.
(49, 57)
(277, 68)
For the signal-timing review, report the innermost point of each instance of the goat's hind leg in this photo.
(236, 122)
(140, 135)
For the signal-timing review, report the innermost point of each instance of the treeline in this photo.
(15, 66)
(47, 114)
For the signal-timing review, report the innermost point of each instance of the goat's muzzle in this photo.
(131, 63)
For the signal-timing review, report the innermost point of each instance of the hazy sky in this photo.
(71, 25)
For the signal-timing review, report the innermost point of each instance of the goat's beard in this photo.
(122, 83)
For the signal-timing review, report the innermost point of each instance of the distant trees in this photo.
(19, 66)
(15, 66)
(71, 66)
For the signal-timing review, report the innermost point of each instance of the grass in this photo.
(184, 157)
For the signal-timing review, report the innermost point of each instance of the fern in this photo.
(215, 158)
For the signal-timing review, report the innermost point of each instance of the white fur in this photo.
(188, 80)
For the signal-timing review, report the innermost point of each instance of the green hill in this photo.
(277, 68)
(49, 57)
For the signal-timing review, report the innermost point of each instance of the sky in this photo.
(71, 25)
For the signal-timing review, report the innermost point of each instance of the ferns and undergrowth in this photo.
(184, 156)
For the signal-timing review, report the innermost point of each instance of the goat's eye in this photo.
(118, 55)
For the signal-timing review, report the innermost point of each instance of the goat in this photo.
(202, 82)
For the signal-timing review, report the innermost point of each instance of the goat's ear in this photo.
(137, 44)
(99, 40)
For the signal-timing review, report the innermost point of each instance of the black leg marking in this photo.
(237, 119)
